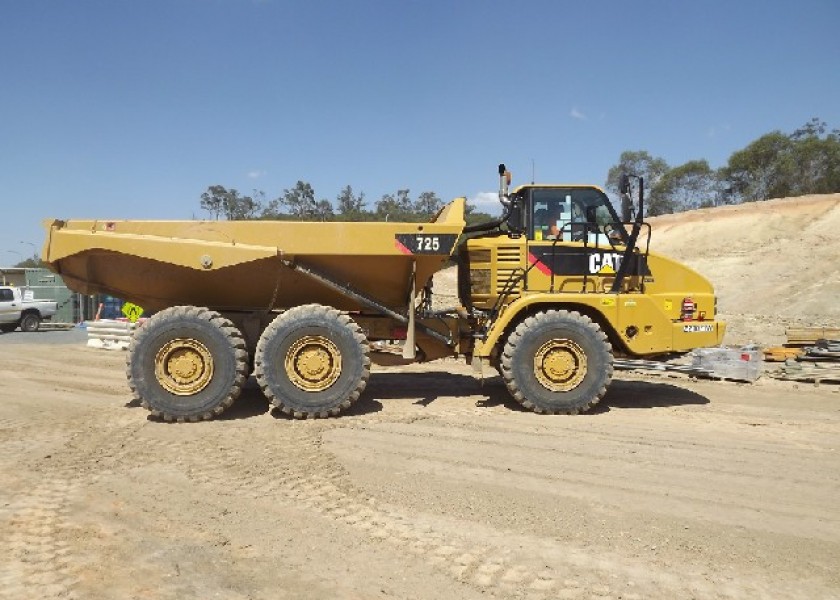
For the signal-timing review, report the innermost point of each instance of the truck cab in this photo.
(563, 247)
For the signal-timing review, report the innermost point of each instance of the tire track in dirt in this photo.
(297, 466)
(295, 463)
(36, 561)
(53, 465)
(470, 458)
(691, 465)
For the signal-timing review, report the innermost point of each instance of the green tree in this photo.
(300, 200)
(323, 211)
(764, 169)
(685, 187)
(394, 207)
(351, 207)
(404, 203)
(816, 159)
(219, 201)
(387, 207)
(640, 163)
(213, 200)
(427, 203)
(34, 262)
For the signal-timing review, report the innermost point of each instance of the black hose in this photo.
(487, 226)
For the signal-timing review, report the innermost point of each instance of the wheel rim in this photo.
(560, 365)
(313, 363)
(184, 366)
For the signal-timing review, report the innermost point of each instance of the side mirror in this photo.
(624, 184)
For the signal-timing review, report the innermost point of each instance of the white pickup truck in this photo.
(19, 309)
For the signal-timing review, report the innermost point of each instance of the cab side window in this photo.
(551, 212)
(6, 295)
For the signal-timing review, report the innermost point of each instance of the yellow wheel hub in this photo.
(184, 366)
(560, 365)
(313, 363)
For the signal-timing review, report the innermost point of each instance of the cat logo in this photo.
(604, 264)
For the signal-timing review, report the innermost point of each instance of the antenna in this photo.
(533, 172)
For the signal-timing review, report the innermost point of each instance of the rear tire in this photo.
(312, 361)
(8, 327)
(557, 362)
(187, 363)
(30, 322)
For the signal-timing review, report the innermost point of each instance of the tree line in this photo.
(776, 165)
(299, 203)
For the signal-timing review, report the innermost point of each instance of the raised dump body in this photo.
(245, 265)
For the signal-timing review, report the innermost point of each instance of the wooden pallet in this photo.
(781, 353)
(807, 336)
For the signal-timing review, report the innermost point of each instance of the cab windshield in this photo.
(573, 214)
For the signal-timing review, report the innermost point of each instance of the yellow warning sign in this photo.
(607, 301)
(132, 311)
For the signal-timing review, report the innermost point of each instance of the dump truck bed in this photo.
(244, 265)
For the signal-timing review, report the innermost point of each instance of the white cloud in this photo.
(255, 174)
(486, 202)
(576, 114)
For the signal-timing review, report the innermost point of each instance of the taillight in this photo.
(688, 308)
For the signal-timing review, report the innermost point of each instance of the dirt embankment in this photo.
(774, 264)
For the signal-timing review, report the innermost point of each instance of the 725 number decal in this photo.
(427, 243)
(423, 243)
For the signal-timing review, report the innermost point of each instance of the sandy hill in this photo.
(774, 264)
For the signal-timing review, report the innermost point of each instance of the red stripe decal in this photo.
(402, 248)
(541, 266)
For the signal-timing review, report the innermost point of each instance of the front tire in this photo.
(557, 362)
(312, 361)
(187, 363)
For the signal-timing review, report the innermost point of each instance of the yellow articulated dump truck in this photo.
(549, 294)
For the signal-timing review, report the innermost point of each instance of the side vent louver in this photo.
(509, 263)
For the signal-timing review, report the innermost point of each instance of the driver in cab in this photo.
(552, 224)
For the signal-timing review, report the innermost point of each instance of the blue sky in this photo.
(119, 109)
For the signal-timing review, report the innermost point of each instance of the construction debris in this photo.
(739, 364)
(817, 361)
(625, 364)
(735, 364)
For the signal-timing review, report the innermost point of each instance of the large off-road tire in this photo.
(187, 363)
(8, 327)
(30, 322)
(312, 361)
(557, 362)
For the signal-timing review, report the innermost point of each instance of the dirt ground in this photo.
(435, 486)
(432, 487)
